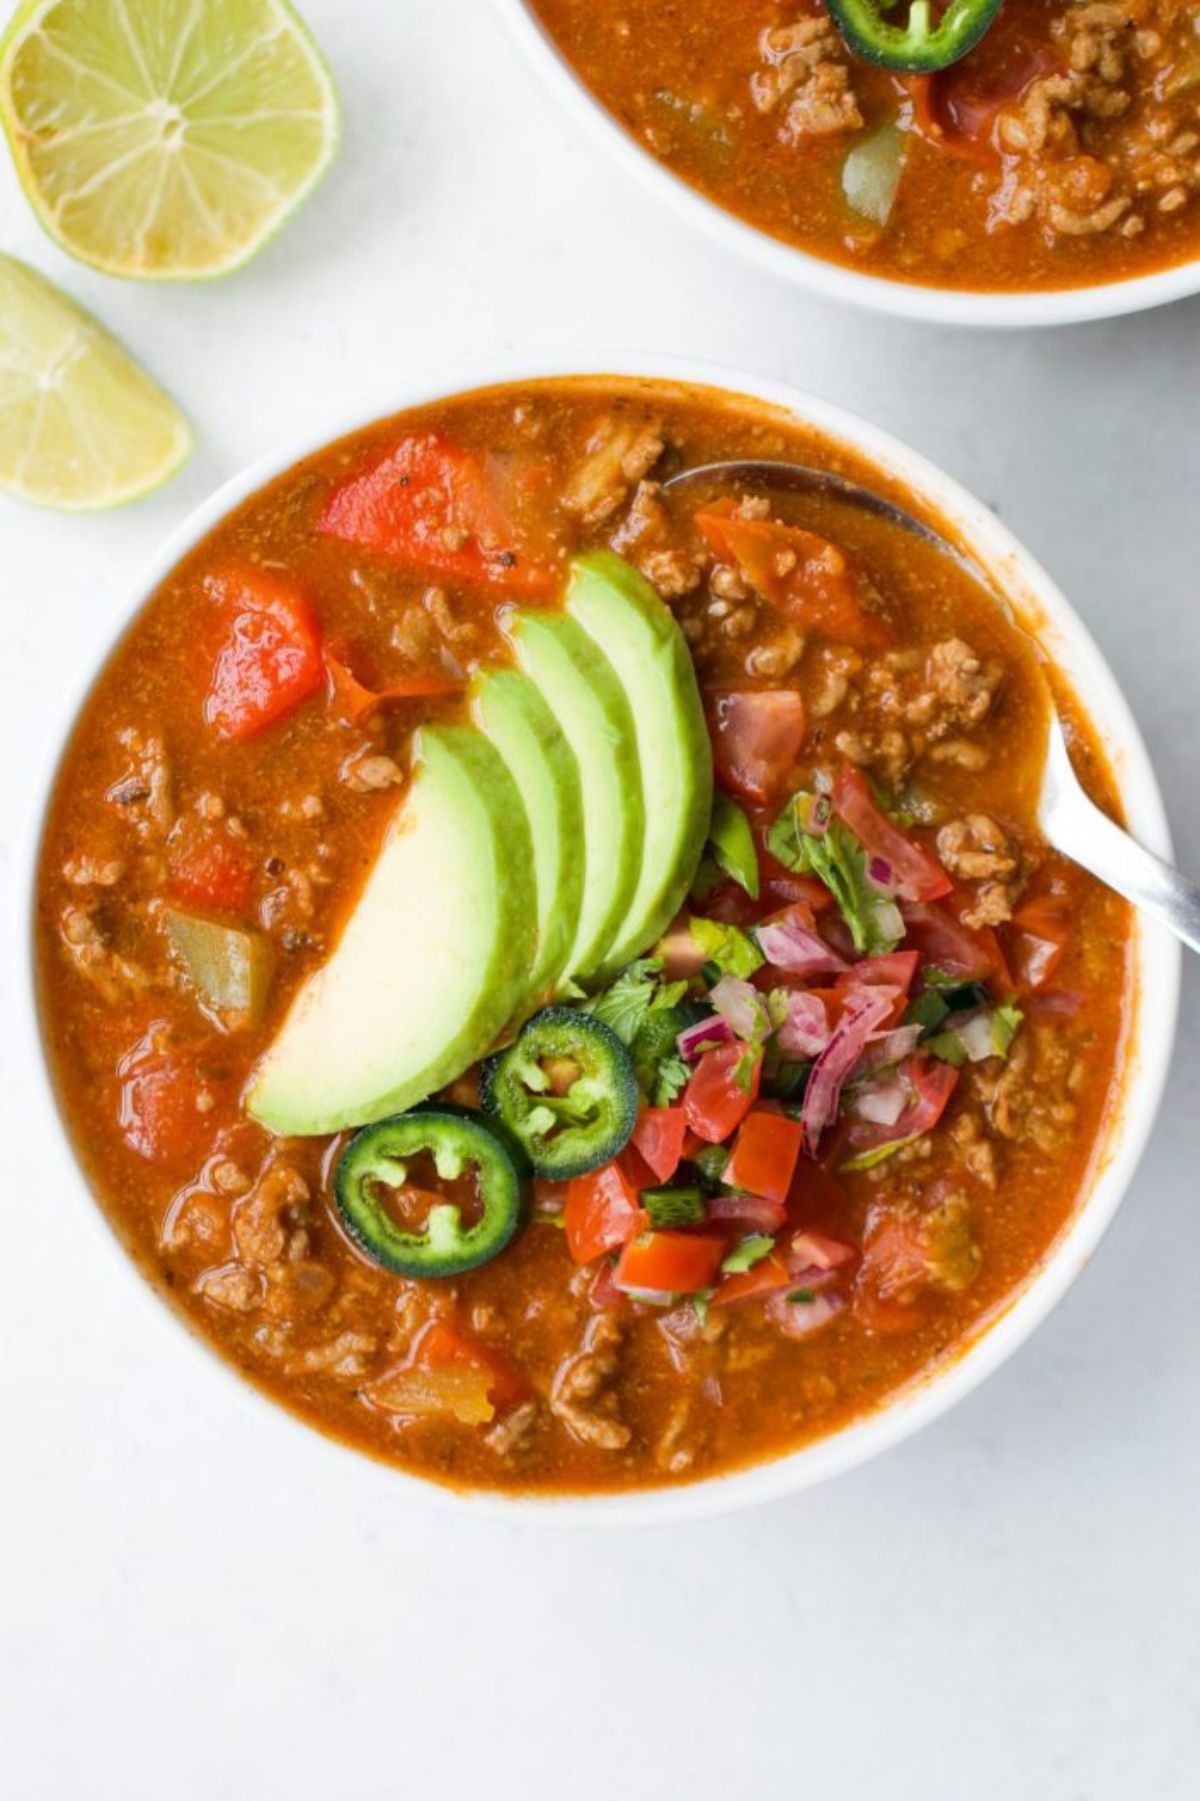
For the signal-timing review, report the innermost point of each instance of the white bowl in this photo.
(833, 281)
(1038, 603)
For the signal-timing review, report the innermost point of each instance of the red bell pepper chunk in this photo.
(757, 737)
(803, 575)
(353, 699)
(270, 659)
(658, 1137)
(429, 505)
(714, 1101)
(765, 1155)
(445, 1345)
(602, 1211)
(670, 1262)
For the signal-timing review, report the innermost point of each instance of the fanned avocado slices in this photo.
(432, 962)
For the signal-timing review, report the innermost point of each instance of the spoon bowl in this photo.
(1073, 824)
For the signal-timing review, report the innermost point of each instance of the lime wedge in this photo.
(81, 425)
(165, 139)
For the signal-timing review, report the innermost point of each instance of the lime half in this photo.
(81, 425)
(165, 139)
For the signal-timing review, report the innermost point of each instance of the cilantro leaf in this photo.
(837, 859)
(732, 844)
(733, 951)
(624, 1004)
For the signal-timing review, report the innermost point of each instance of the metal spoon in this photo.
(1071, 822)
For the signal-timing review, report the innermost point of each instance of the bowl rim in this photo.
(1021, 579)
(994, 308)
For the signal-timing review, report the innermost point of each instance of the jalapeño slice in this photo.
(915, 41)
(565, 1090)
(375, 1166)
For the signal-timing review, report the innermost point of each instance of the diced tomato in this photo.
(432, 506)
(209, 866)
(1038, 937)
(714, 1101)
(659, 1136)
(353, 699)
(932, 1084)
(765, 1156)
(270, 659)
(895, 970)
(911, 1254)
(167, 1108)
(602, 1211)
(957, 108)
(757, 738)
(768, 1275)
(915, 870)
(803, 575)
(944, 943)
(443, 1344)
(670, 1262)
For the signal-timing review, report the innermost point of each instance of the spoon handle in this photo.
(1075, 826)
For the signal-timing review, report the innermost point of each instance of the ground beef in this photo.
(806, 76)
(584, 1397)
(618, 453)
(1082, 157)
(650, 539)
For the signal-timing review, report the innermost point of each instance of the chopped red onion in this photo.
(790, 943)
(753, 1211)
(805, 1030)
(799, 1319)
(881, 875)
(741, 1006)
(863, 1012)
(694, 1040)
(888, 1049)
(883, 1102)
(811, 1251)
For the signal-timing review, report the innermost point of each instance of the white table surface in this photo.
(198, 1601)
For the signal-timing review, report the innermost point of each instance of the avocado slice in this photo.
(510, 710)
(583, 692)
(432, 961)
(641, 638)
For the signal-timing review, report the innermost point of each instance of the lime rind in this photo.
(166, 140)
(82, 426)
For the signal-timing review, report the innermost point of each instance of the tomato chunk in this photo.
(166, 1104)
(714, 1101)
(1038, 938)
(963, 952)
(670, 1262)
(659, 1136)
(270, 660)
(602, 1211)
(957, 109)
(428, 504)
(916, 872)
(209, 866)
(765, 1156)
(757, 739)
(801, 574)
